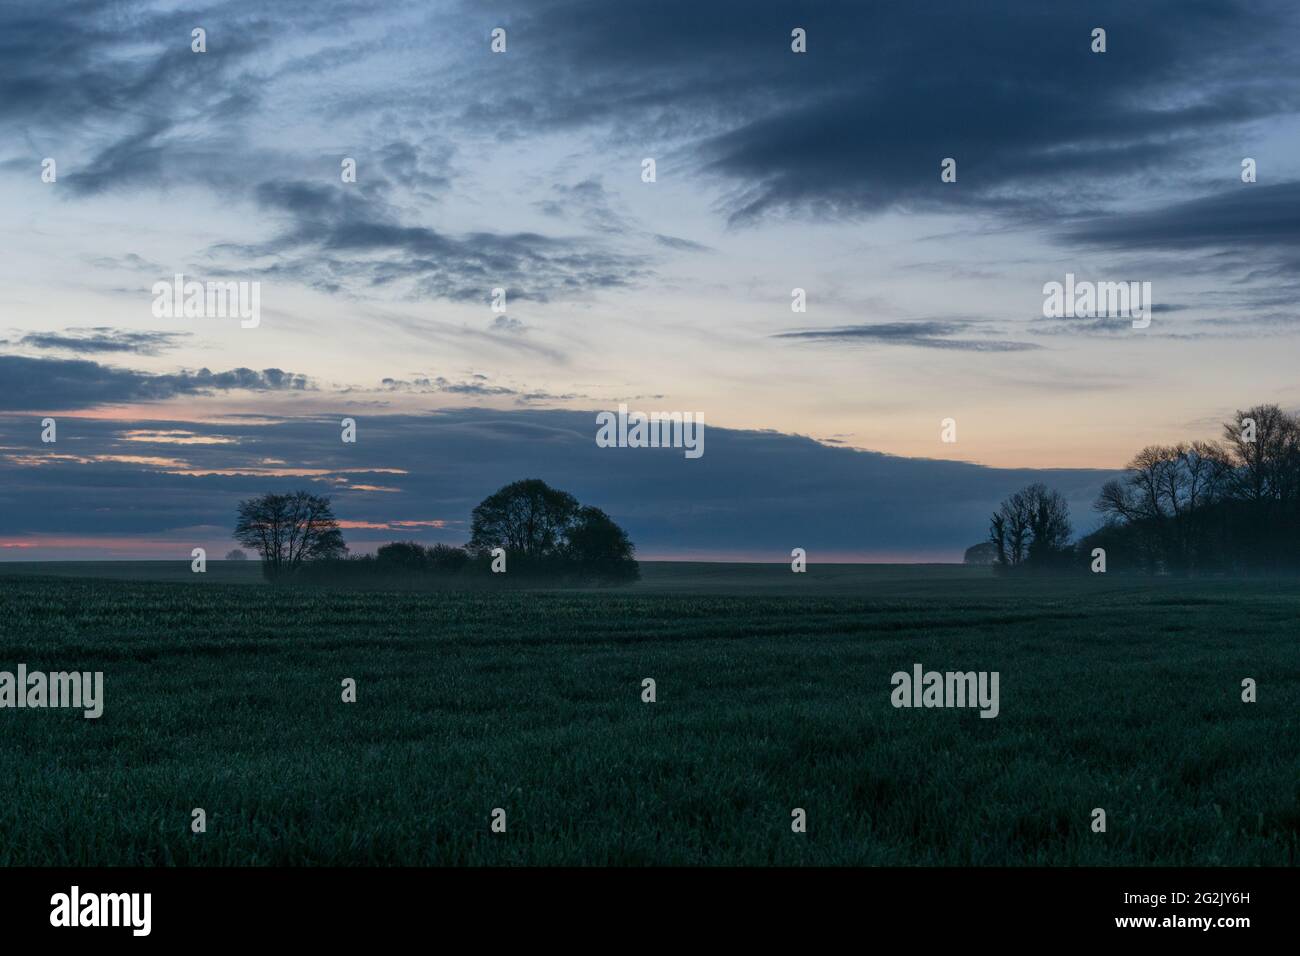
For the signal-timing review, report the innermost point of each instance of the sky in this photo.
(524, 170)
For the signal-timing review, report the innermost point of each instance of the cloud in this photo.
(681, 245)
(860, 122)
(119, 98)
(927, 334)
(591, 204)
(116, 87)
(505, 323)
(104, 339)
(477, 385)
(588, 202)
(424, 170)
(855, 127)
(41, 384)
(1244, 219)
(129, 262)
(339, 236)
(543, 397)
(751, 494)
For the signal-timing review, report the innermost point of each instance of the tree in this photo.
(597, 545)
(1031, 526)
(236, 555)
(443, 557)
(410, 556)
(1049, 525)
(1009, 530)
(1265, 456)
(402, 554)
(1166, 500)
(1264, 450)
(986, 552)
(287, 530)
(528, 518)
(551, 533)
(1208, 506)
(998, 538)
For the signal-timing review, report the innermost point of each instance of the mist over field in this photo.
(771, 696)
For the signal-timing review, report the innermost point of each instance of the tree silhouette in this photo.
(596, 543)
(1209, 506)
(1031, 527)
(287, 530)
(552, 533)
(528, 518)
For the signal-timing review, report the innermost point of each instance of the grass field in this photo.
(773, 693)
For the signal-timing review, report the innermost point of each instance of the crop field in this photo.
(772, 693)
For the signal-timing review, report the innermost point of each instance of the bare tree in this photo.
(1264, 455)
(1015, 513)
(287, 530)
(998, 537)
(1207, 471)
(1166, 496)
(1207, 506)
(1049, 524)
(1032, 524)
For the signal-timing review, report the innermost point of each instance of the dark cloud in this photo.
(39, 384)
(119, 81)
(129, 68)
(926, 334)
(1121, 326)
(752, 493)
(1247, 216)
(424, 171)
(1037, 122)
(1245, 237)
(860, 122)
(104, 339)
(123, 89)
(1041, 127)
(338, 235)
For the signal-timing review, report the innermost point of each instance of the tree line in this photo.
(1227, 506)
(526, 530)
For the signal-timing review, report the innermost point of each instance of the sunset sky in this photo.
(523, 170)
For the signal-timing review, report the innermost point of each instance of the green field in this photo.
(773, 693)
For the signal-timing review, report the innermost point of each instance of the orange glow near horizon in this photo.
(394, 525)
(175, 437)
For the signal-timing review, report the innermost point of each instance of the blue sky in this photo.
(522, 170)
